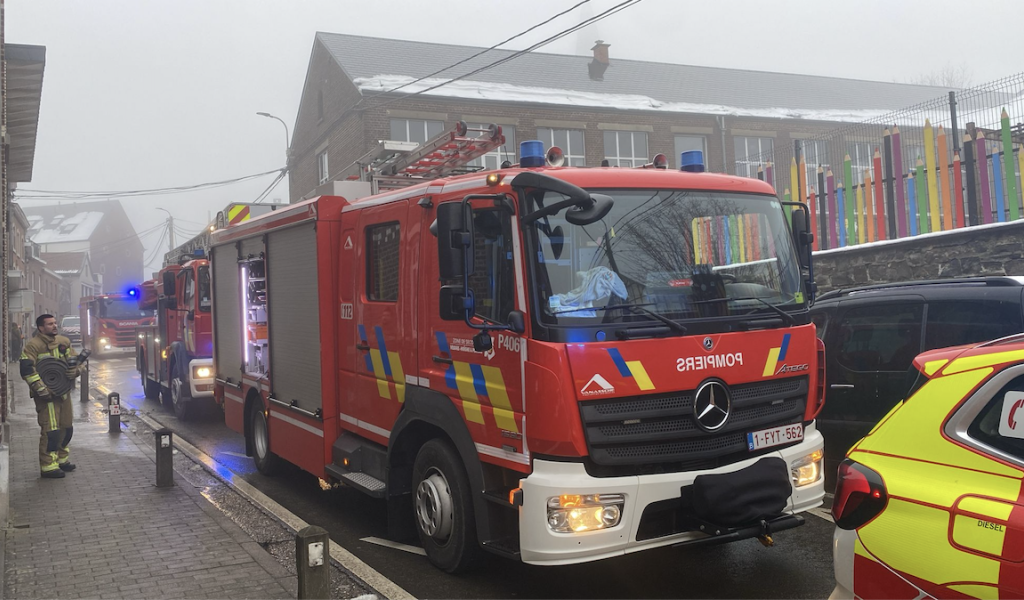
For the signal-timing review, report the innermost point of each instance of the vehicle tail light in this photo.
(819, 389)
(860, 495)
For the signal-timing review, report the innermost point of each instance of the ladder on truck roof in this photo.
(393, 165)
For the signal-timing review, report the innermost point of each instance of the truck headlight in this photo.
(575, 513)
(201, 372)
(807, 470)
(104, 341)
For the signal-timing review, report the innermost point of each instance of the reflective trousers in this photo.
(56, 428)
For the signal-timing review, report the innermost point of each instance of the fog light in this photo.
(107, 347)
(575, 513)
(807, 470)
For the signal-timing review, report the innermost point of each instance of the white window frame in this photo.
(681, 136)
(813, 152)
(614, 155)
(408, 127)
(574, 157)
(492, 160)
(322, 167)
(748, 168)
(860, 163)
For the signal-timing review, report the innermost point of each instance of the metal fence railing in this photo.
(943, 164)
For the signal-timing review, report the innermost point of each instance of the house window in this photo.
(492, 160)
(382, 262)
(569, 140)
(685, 143)
(323, 175)
(625, 148)
(415, 130)
(751, 153)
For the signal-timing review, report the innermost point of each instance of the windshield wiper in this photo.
(788, 318)
(641, 309)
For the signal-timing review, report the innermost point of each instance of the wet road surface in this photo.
(799, 566)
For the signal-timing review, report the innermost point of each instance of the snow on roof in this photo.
(76, 228)
(478, 90)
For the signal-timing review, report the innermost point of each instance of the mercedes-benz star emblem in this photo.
(711, 406)
(708, 343)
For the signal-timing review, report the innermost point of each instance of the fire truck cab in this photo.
(174, 356)
(109, 321)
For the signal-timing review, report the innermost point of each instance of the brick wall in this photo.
(986, 250)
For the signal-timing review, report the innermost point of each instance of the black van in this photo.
(872, 335)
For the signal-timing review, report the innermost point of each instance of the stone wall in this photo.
(984, 250)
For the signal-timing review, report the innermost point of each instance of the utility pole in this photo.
(170, 229)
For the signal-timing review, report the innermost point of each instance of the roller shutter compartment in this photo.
(227, 315)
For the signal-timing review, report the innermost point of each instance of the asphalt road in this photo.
(798, 566)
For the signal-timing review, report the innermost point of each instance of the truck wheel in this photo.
(182, 404)
(266, 461)
(443, 507)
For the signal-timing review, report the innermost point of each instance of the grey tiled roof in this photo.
(368, 57)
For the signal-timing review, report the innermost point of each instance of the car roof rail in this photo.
(994, 281)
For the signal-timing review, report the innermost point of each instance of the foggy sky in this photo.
(157, 93)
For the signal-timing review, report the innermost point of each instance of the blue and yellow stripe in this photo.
(385, 366)
(775, 356)
(631, 369)
(476, 384)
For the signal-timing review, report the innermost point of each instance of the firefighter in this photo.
(54, 412)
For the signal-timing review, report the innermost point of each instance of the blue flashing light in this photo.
(574, 336)
(133, 292)
(198, 253)
(531, 153)
(691, 161)
(601, 336)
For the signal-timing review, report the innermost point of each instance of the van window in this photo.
(955, 323)
(382, 262)
(879, 338)
(819, 320)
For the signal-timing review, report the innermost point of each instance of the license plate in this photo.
(776, 436)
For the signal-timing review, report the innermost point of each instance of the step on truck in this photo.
(556, 365)
(174, 355)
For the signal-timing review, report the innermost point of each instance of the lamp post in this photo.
(170, 229)
(287, 136)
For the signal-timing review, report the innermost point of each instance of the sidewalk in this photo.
(106, 531)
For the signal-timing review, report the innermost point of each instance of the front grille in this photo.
(659, 433)
(125, 337)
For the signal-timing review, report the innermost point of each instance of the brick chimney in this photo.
(599, 64)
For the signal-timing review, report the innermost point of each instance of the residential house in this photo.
(594, 108)
(76, 271)
(102, 229)
(44, 283)
(20, 298)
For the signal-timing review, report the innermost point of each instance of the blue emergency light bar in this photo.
(691, 161)
(531, 153)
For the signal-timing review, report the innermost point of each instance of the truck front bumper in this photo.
(201, 387)
(540, 545)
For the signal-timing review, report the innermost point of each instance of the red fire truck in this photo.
(108, 322)
(174, 356)
(556, 365)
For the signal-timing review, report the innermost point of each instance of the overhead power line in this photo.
(600, 16)
(29, 194)
(482, 52)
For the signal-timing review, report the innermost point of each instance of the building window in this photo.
(382, 262)
(569, 140)
(323, 175)
(625, 148)
(751, 153)
(415, 130)
(815, 154)
(492, 160)
(685, 143)
(861, 156)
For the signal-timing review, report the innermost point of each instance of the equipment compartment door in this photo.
(384, 334)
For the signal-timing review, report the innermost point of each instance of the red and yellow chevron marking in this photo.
(237, 214)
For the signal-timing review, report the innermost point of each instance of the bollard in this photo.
(83, 382)
(313, 562)
(114, 408)
(164, 458)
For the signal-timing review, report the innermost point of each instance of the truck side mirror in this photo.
(454, 238)
(453, 303)
(802, 237)
(168, 283)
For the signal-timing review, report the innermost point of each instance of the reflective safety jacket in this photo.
(42, 346)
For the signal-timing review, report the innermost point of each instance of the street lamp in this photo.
(287, 137)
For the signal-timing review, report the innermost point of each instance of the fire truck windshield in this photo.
(683, 254)
(204, 288)
(122, 308)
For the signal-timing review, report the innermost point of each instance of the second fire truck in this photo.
(556, 365)
(108, 322)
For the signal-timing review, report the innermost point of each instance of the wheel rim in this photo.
(259, 434)
(434, 506)
(175, 391)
